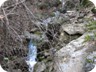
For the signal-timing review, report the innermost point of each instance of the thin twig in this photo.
(15, 4)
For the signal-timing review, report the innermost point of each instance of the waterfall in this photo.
(32, 55)
(63, 3)
(63, 9)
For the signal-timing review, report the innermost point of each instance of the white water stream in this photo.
(63, 3)
(32, 55)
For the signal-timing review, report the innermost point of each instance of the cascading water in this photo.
(63, 3)
(32, 55)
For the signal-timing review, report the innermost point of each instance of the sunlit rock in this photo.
(72, 57)
(74, 28)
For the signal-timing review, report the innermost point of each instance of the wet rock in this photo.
(71, 58)
(72, 29)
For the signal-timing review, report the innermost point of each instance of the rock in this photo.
(40, 67)
(15, 70)
(31, 36)
(90, 62)
(66, 38)
(93, 70)
(71, 58)
(72, 14)
(72, 29)
(89, 67)
(63, 37)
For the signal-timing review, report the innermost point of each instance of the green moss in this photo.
(91, 26)
(94, 57)
(87, 38)
(52, 14)
(89, 60)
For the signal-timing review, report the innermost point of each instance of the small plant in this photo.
(89, 61)
(87, 38)
(91, 28)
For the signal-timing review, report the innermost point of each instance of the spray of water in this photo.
(32, 55)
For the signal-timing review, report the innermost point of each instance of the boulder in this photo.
(90, 65)
(72, 57)
(72, 29)
(40, 67)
